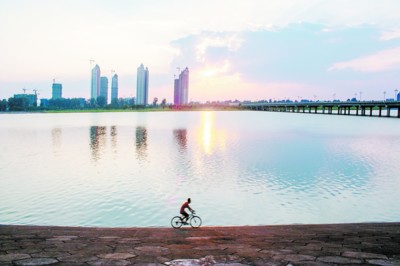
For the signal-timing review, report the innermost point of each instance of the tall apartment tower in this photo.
(104, 87)
(181, 88)
(56, 91)
(176, 91)
(95, 86)
(142, 85)
(114, 88)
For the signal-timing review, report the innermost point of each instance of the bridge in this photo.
(364, 108)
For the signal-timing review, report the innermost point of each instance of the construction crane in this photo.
(35, 90)
(24, 90)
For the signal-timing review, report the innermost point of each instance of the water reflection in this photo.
(56, 137)
(180, 136)
(141, 142)
(97, 141)
(114, 133)
(207, 136)
(264, 168)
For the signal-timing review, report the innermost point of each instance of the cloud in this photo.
(385, 60)
(390, 35)
(232, 42)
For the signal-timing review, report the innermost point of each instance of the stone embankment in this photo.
(342, 244)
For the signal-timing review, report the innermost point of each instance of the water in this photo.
(239, 168)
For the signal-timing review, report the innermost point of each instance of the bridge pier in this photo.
(388, 112)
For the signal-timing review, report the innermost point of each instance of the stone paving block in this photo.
(210, 247)
(12, 257)
(152, 250)
(391, 262)
(53, 254)
(24, 251)
(149, 264)
(230, 264)
(339, 260)
(268, 262)
(363, 255)
(244, 252)
(311, 263)
(8, 247)
(294, 257)
(77, 258)
(317, 253)
(109, 262)
(36, 261)
(117, 256)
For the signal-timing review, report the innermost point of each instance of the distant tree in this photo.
(92, 103)
(3, 105)
(155, 100)
(114, 103)
(163, 103)
(101, 101)
(18, 104)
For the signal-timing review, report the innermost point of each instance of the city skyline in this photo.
(257, 50)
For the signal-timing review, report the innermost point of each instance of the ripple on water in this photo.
(239, 168)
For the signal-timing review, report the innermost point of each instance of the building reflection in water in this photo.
(56, 137)
(114, 134)
(141, 142)
(180, 136)
(97, 141)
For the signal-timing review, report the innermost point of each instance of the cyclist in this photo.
(183, 212)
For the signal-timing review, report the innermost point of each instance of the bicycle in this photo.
(193, 220)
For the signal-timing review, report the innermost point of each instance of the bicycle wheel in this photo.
(195, 222)
(176, 222)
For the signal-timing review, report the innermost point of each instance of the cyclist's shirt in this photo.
(184, 206)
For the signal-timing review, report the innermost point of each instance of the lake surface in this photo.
(239, 168)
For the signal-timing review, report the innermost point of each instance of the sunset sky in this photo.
(245, 50)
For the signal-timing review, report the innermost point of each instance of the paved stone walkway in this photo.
(347, 244)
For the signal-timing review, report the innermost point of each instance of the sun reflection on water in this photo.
(207, 130)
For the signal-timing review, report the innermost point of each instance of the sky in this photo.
(235, 50)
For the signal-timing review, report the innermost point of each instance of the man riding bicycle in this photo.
(183, 212)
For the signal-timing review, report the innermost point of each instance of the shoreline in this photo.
(300, 244)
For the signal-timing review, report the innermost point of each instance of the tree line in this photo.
(23, 104)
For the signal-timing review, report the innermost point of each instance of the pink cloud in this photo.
(382, 61)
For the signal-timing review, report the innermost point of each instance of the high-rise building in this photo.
(104, 87)
(114, 88)
(56, 91)
(176, 91)
(181, 88)
(142, 85)
(95, 88)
